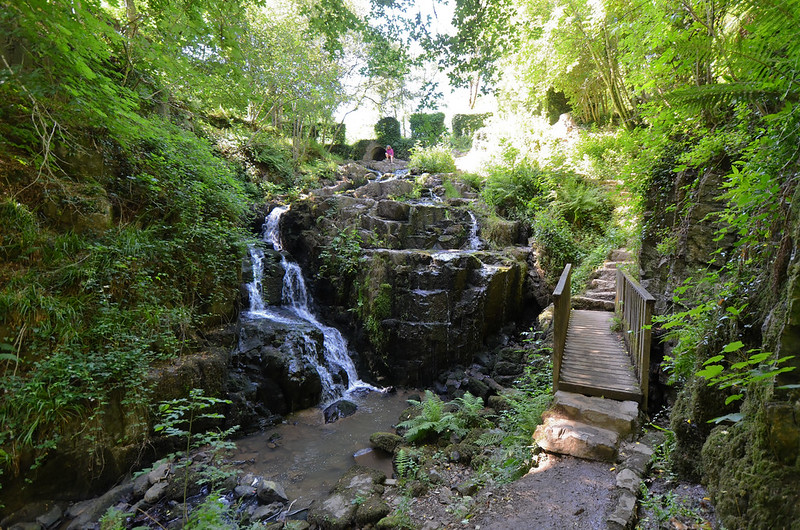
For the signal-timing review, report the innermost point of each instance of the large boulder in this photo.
(276, 358)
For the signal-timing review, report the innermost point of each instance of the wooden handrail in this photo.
(562, 305)
(634, 307)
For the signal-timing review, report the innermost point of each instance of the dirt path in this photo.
(563, 492)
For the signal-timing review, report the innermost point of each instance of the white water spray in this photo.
(295, 308)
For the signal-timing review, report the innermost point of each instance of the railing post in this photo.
(634, 307)
(562, 305)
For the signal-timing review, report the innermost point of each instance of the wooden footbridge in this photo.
(588, 357)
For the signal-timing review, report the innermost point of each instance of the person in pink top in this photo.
(390, 153)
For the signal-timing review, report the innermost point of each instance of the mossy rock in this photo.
(372, 510)
(395, 522)
(386, 441)
(751, 485)
(361, 480)
(337, 512)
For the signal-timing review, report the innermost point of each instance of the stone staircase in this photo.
(603, 286)
(587, 427)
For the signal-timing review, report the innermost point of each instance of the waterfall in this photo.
(474, 241)
(295, 304)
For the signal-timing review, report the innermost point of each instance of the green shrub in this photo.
(387, 131)
(556, 243)
(583, 204)
(273, 157)
(516, 190)
(435, 159)
(20, 229)
(465, 125)
(427, 128)
(360, 149)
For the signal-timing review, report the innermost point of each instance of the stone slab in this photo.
(618, 416)
(569, 437)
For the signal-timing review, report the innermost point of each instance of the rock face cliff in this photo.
(750, 467)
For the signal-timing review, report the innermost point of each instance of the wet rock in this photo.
(467, 489)
(385, 440)
(624, 512)
(141, 485)
(265, 512)
(340, 409)
(337, 512)
(269, 492)
(27, 526)
(155, 492)
(628, 480)
(91, 510)
(28, 513)
(372, 510)
(498, 403)
(51, 517)
(478, 388)
(394, 210)
(240, 492)
(159, 473)
(417, 488)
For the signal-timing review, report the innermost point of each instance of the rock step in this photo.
(598, 283)
(569, 437)
(600, 295)
(592, 304)
(618, 416)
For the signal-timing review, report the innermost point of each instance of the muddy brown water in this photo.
(307, 456)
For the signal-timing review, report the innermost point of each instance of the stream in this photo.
(307, 456)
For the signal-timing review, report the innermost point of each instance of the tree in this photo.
(485, 33)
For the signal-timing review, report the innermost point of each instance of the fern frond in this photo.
(490, 438)
(724, 94)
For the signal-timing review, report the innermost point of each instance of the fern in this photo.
(431, 419)
(405, 463)
(490, 438)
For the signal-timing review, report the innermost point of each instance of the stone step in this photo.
(620, 255)
(592, 304)
(570, 437)
(598, 283)
(600, 294)
(618, 416)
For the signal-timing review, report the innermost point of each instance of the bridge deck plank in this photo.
(595, 361)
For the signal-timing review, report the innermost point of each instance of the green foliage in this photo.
(583, 204)
(553, 235)
(212, 514)
(758, 366)
(177, 419)
(515, 189)
(274, 157)
(387, 131)
(90, 313)
(434, 159)
(484, 33)
(113, 519)
(668, 508)
(427, 129)
(360, 149)
(340, 257)
(406, 463)
(20, 229)
(467, 124)
(432, 419)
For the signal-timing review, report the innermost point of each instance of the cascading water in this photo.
(295, 308)
(474, 241)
